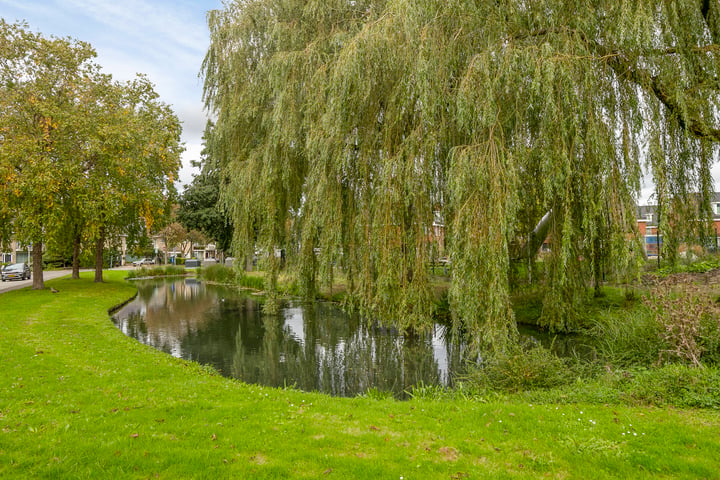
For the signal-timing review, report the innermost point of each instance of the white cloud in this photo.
(163, 39)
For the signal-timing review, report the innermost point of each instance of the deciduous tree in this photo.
(40, 79)
(200, 208)
(81, 156)
(346, 127)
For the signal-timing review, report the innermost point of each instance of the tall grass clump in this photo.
(521, 367)
(626, 338)
(672, 324)
(256, 282)
(680, 386)
(158, 271)
(218, 273)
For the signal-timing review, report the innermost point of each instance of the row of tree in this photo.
(82, 157)
(344, 128)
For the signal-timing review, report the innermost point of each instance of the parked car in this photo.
(16, 271)
(143, 261)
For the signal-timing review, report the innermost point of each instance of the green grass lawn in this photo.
(78, 399)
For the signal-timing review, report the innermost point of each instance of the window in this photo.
(651, 244)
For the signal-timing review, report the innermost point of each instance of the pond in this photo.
(313, 347)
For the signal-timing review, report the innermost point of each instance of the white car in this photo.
(143, 261)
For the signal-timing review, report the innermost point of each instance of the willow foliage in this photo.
(346, 127)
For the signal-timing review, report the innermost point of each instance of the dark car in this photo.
(16, 271)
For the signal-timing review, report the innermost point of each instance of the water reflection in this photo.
(312, 347)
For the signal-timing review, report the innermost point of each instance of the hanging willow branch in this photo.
(346, 128)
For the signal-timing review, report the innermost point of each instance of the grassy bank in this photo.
(78, 399)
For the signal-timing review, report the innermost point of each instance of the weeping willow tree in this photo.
(345, 127)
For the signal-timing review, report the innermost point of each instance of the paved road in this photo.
(48, 275)
(17, 284)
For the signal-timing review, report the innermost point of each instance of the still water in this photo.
(308, 346)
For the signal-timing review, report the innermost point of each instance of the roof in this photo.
(643, 211)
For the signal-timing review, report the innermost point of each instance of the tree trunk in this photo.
(37, 272)
(76, 258)
(597, 268)
(99, 247)
(538, 235)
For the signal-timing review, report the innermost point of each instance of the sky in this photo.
(163, 39)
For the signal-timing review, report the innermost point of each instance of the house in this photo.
(184, 249)
(16, 253)
(648, 220)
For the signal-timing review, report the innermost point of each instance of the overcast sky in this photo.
(164, 39)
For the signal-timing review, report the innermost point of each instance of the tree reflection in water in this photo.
(308, 346)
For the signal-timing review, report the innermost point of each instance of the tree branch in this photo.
(652, 84)
(624, 68)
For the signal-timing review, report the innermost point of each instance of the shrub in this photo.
(688, 322)
(159, 271)
(531, 366)
(626, 337)
(218, 273)
(252, 281)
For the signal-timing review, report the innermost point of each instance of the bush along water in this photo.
(521, 367)
(159, 271)
(217, 274)
(230, 276)
(658, 346)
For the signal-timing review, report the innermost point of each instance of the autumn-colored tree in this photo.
(81, 156)
(130, 162)
(40, 79)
